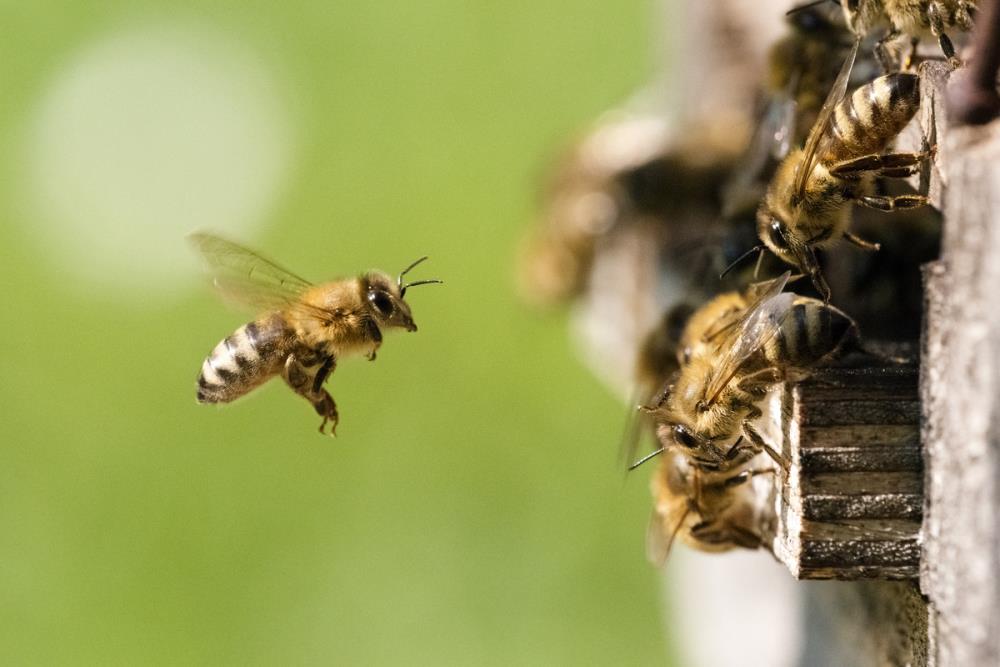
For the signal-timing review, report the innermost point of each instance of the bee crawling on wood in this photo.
(709, 410)
(305, 329)
(808, 201)
(708, 511)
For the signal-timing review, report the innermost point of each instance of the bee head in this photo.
(699, 449)
(774, 233)
(386, 297)
(782, 240)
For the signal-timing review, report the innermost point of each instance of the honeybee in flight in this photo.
(708, 511)
(808, 201)
(305, 329)
(909, 17)
(709, 411)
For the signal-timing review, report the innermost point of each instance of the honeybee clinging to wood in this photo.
(708, 511)
(808, 202)
(801, 67)
(305, 329)
(709, 411)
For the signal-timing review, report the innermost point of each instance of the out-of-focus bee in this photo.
(627, 177)
(801, 67)
(709, 412)
(305, 329)
(913, 18)
(808, 202)
(708, 511)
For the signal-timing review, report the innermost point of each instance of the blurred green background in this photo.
(470, 511)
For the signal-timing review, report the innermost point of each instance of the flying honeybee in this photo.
(808, 201)
(709, 411)
(305, 329)
(708, 511)
(913, 18)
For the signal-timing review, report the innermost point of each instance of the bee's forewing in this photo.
(759, 324)
(244, 278)
(823, 120)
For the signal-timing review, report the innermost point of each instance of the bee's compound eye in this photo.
(684, 438)
(381, 301)
(776, 232)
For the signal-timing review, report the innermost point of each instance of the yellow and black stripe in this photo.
(243, 361)
(867, 121)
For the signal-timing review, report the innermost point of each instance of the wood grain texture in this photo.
(961, 403)
(851, 505)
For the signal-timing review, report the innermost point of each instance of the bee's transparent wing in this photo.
(771, 142)
(246, 279)
(658, 541)
(823, 120)
(761, 322)
(636, 423)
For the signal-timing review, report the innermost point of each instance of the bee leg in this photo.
(375, 334)
(308, 383)
(854, 239)
(759, 382)
(899, 172)
(327, 409)
(883, 54)
(879, 164)
(898, 203)
(963, 15)
(738, 480)
(912, 55)
(935, 15)
(758, 442)
(657, 401)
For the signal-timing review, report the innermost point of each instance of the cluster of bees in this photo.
(842, 85)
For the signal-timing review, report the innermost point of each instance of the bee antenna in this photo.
(399, 279)
(433, 281)
(645, 458)
(814, 3)
(757, 248)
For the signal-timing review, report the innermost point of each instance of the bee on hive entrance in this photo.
(709, 409)
(808, 202)
(708, 511)
(304, 329)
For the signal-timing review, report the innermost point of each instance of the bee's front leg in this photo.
(375, 336)
(760, 444)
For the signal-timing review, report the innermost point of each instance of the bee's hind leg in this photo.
(327, 409)
(897, 203)
(307, 381)
(892, 165)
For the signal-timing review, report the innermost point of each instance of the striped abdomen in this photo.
(809, 335)
(244, 360)
(866, 122)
